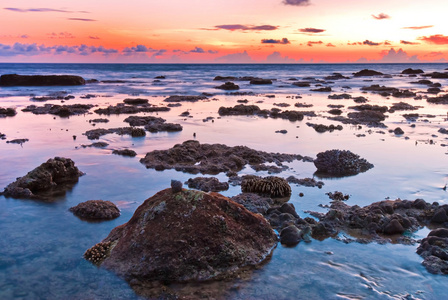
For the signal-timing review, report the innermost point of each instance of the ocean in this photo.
(42, 245)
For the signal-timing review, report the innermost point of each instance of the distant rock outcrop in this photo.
(341, 163)
(183, 237)
(40, 80)
(367, 72)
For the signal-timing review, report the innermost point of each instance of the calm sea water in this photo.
(42, 243)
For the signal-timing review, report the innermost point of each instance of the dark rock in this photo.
(7, 112)
(364, 107)
(220, 158)
(122, 108)
(54, 175)
(439, 216)
(125, 152)
(367, 72)
(271, 185)
(339, 96)
(336, 76)
(437, 75)
(160, 77)
(253, 202)
(186, 236)
(135, 101)
(96, 145)
(283, 131)
(341, 163)
(338, 196)
(96, 210)
(310, 182)
(398, 131)
(302, 84)
(335, 111)
(360, 99)
(324, 89)
(434, 90)
(290, 236)
(95, 134)
(443, 130)
(40, 80)
(17, 141)
(324, 128)
(289, 208)
(434, 250)
(412, 71)
(228, 86)
(100, 120)
(393, 227)
(207, 184)
(260, 81)
(438, 100)
(59, 110)
(402, 106)
(184, 98)
(176, 186)
(222, 78)
(239, 109)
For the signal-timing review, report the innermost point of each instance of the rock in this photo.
(335, 111)
(336, 76)
(436, 75)
(176, 186)
(434, 250)
(341, 163)
(367, 72)
(398, 131)
(310, 182)
(187, 236)
(393, 227)
(339, 96)
(17, 141)
(59, 110)
(438, 100)
(434, 90)
(302, 84)
(135, 101)
(7, 112)
(271, 185)
(207, 184)
(260, 81)
(402, 106)
(364, 107)
(125, 152)
(122, 108)
(40, 80)
(290, 236)
(412, 71)
(239, 109)
(184, 98)
(253, 202)
(228, 86)
(55, 175)
(337, 196)
(324, 128)
(95, 134)
(324, 89)
(96, 210)
(439, 216)
(189, 157)
(289, 209)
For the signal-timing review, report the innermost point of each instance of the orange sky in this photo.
(216, 31)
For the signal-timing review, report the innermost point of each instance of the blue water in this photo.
(42, 243)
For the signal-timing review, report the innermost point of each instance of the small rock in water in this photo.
(176, 186)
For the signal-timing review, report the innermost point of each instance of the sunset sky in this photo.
(217, 31)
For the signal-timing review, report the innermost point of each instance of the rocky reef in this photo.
(193, 157)
(96, 210)
(40, 80)
(53, 176)
(187, 236)
(341, 163)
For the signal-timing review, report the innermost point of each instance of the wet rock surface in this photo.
(122, 108)
(367, 72)
(95, 134)
(135, 101)
(228, 86)
(183, 237)
(246, 110)
(310, 182)
(207, 184)
(341, 163)
(324, 128)
(177, 98)
(153, 124)
(7, 112)
(434, 250)
(125, 152)
(193, 157)
(59, 110)
(40, 80)
(96, 210)
(55, 175)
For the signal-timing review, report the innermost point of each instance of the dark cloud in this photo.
(311, 43)
(159, 53)
(311, 30)
(437, 39)
(418, 27)
(197, 50)
(297, 2)
(137, 49)
(370, 43)
(81, 19)
(283, 41)
(23, 10)
(408, 43)
(233, 27)
(381, 16)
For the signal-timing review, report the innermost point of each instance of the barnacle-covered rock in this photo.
(341, 163)
(271, 185)
(98, 253)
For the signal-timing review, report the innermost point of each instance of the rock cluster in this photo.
(95, 134)
(228, 86)
(185, 236)
(434, 250)
(59, 110)
(96, 210)
(153, 124)
(324, 128)
(207, 184)
(7, 112)
(53, 175)
(40, 80)
(122, 108)
(341, 163)
(193, 157)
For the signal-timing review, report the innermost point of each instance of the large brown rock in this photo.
(55, 175)
(185, 236)
(96, 210)
(40, 80)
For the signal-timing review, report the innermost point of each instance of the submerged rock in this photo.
(183, 237)
(341, 163)
(193, 157)
(53, 175)
(40, 80)
(96, 210)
